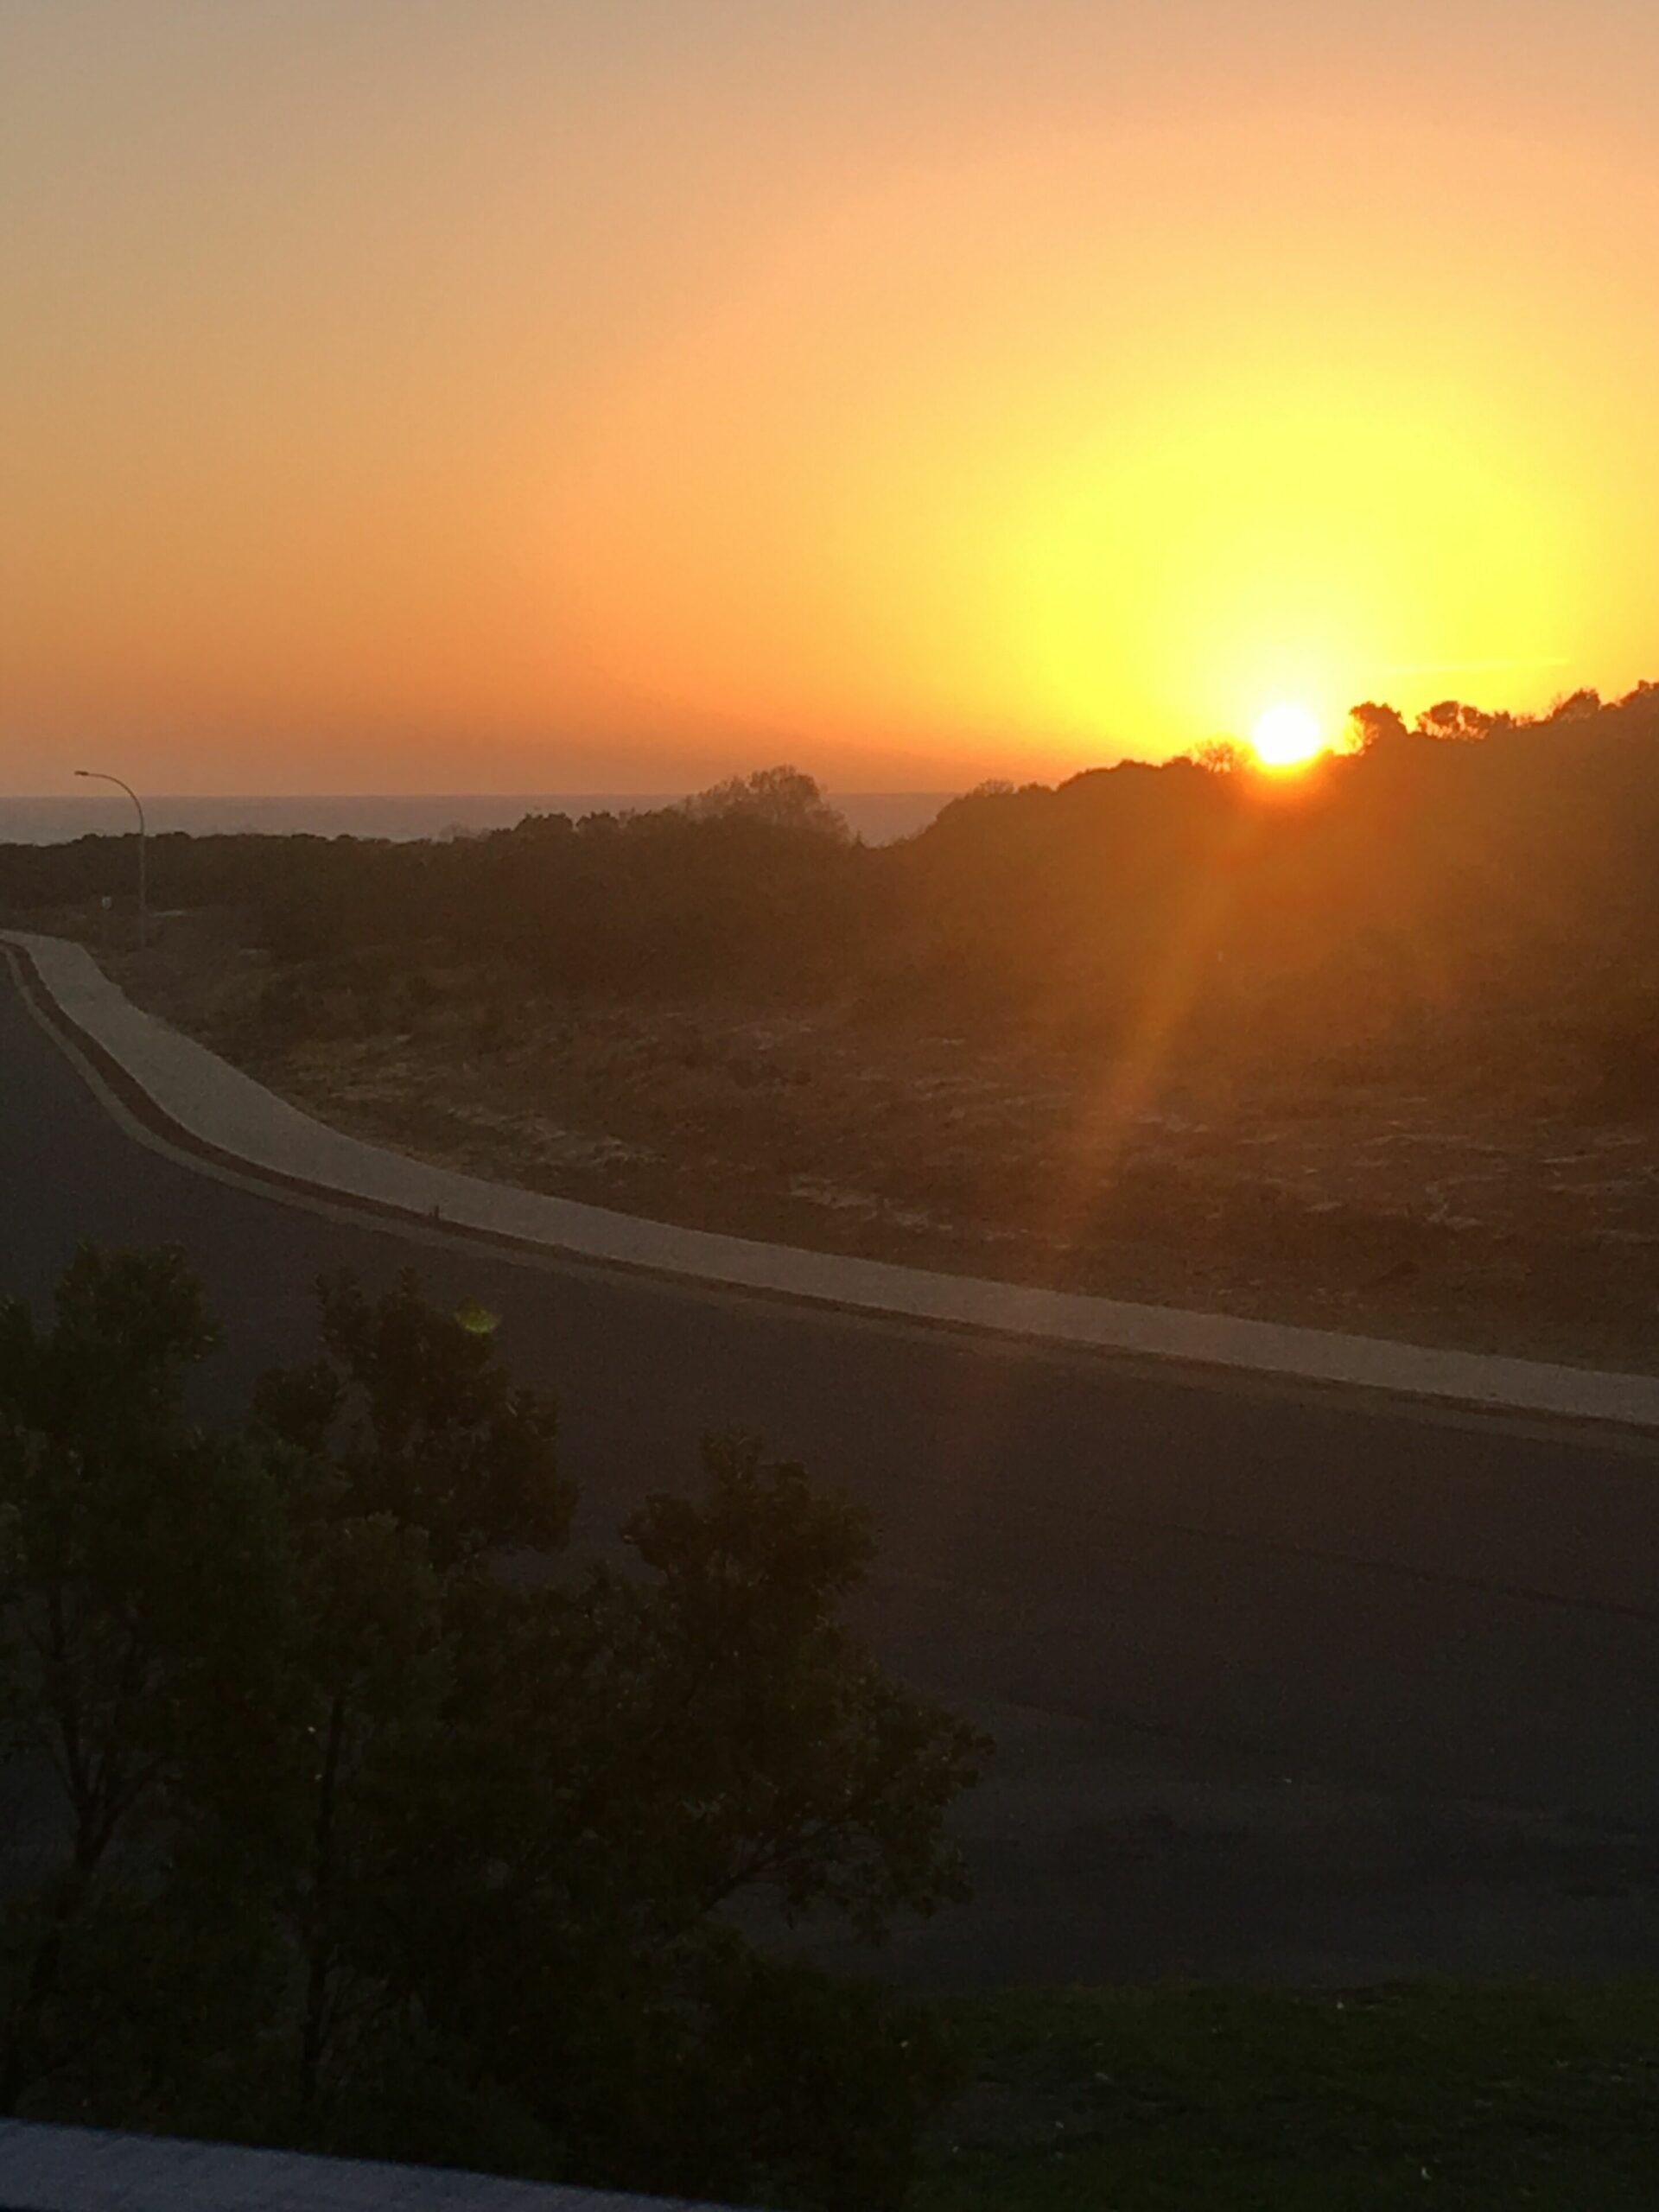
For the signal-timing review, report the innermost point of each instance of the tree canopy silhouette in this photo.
(325, 1828)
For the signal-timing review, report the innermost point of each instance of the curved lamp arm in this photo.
(101, 776)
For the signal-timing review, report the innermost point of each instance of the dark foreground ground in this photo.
(1171, 2100)
(1286, 1689)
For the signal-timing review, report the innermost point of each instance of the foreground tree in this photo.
(646, 1757)
(140, 1594)
(382, 1836)
(407, 1411)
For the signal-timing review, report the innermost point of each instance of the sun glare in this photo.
(1286, 737)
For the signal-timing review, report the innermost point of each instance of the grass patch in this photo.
(1423, 2094)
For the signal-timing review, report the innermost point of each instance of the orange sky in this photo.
(550, 395)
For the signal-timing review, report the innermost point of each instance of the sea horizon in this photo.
(43, 819)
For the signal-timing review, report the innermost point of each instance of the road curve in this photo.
(1285, 1685)
(179, 1096)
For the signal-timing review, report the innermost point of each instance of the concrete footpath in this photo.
(178, 1095)
(50, 2169)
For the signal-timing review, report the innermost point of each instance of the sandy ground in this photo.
(1491, 1222)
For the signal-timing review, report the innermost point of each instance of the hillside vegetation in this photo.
(1377, 1045)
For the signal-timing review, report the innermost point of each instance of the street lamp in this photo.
(97, 776)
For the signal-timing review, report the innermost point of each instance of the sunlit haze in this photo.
(533, 394)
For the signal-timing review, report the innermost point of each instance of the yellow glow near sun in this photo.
(1286, 737)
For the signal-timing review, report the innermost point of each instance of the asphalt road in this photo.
(1285, 1687)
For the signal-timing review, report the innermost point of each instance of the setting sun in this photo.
(1286, 737)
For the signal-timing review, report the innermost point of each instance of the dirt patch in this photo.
(1497, 1222)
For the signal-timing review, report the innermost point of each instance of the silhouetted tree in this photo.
(1375, 725)
(784, 799)
(140, 1595)
(411, 1411)
(1576, 707)
(1451, 721)
(370, 1843)
(1222, 756)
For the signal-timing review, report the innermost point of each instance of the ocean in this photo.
(877, 817)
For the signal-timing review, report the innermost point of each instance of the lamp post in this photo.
(98, 776)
